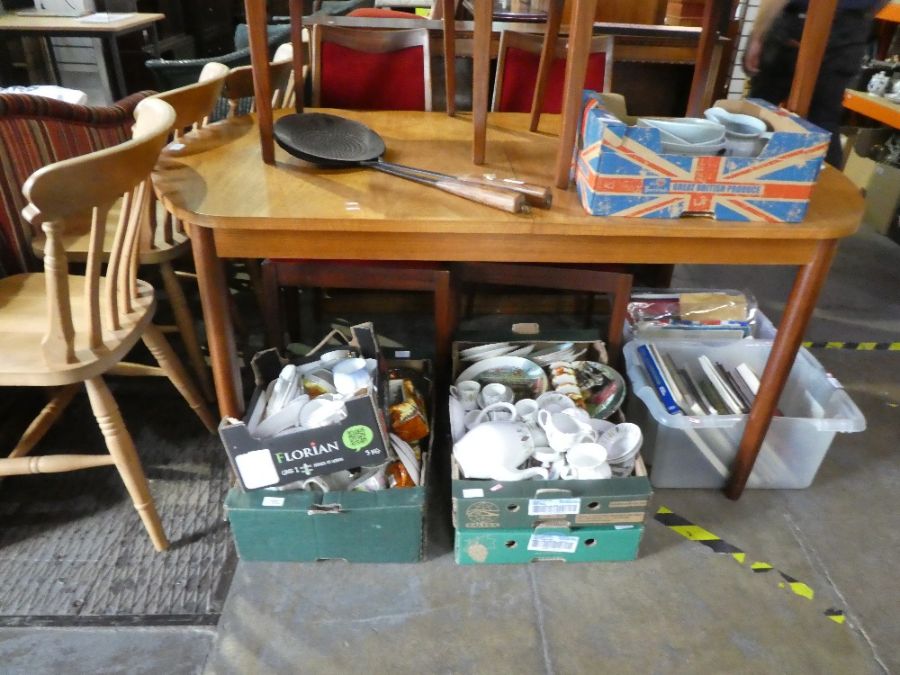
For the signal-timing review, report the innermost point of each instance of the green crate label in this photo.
(482, 514)
(552, 543)
(604, 518)
(634, 503)
(273, 501)
(357, 437)
(554, 507)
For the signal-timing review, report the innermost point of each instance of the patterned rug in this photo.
(73, 550)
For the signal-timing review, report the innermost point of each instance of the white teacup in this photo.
(351, 375)
(622, 444)
(466, 392)
(495, 392)
(554, 402)
(588, 461)
(579, 414)
(497, 412)
(563, 431)
(321, 412)
(526, 409)
(547, 455)
(495, 450)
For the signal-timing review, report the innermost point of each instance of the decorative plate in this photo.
(602, 387)
(526, 378)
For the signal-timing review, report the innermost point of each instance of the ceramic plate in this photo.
(481, 349)
(481, 356)
(407, 455)
(526, 378)
(602, 386)
(522, 351)
(457, 419)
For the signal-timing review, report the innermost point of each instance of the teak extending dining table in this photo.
(237, 206)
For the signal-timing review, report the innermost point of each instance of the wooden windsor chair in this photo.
(60, 330)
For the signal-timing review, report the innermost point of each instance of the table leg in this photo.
(548, 51)
(481, 73)
(51, 57)
(449, 9)
(121, 89)
(809, 281)
(580, 32)
(216, 315)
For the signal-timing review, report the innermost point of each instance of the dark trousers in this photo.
(842, 61)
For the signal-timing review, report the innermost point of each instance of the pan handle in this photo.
(539, 196)
(505, 200)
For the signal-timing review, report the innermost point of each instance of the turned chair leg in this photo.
(170, 363)
(121, 449)
(186, 327)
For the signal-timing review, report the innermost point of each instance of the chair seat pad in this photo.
(23, 324)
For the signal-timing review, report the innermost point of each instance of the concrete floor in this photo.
(680, 608)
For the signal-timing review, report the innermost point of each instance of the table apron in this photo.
(234, 243)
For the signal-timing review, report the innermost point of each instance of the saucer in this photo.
(525, 377)
(407, 455)
(481, 356)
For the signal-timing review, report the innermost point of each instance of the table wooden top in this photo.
(218, 180)
(65, 24)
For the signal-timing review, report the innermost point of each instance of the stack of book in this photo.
(701, 388)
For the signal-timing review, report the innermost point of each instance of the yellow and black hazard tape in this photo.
(689, 530)
(857, 346)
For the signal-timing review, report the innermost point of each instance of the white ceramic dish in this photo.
(481, 356)
(522, 351)
(688, 130)
(481, 349)
(457, 419)
(407, 455)
(525, 377)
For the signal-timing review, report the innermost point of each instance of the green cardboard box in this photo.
(300, 526)
(548, 542)
(488, 505)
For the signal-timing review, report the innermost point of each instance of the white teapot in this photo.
(495, 450)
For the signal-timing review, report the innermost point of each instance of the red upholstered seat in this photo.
(520, 74)
(358, 80)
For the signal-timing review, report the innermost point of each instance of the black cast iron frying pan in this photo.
(332, 141)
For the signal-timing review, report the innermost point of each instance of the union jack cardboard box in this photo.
(622, 171)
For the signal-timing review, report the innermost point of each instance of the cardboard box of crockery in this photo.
(481, 504)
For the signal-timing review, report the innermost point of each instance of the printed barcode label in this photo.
(554, 507)
(552, 543)
(470, 493)
(273, 501)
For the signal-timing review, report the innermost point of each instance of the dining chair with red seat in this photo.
(518, 58)
(365, 70)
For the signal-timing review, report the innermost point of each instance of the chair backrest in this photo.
(84, 188)
(193, 103)
(37, 131)
(238, 89)
(517, 66)
(363, 69)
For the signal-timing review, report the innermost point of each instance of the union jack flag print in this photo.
(621, 171)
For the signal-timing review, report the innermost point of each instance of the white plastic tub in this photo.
(698, 451)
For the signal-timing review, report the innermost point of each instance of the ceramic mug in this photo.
(351, 375)
(495, 392)
(466, 392)
(622, 443)
(495, 450)
(563, 431)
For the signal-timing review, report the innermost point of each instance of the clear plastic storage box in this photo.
(698, 451)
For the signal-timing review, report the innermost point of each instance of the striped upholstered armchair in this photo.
(35, 132)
